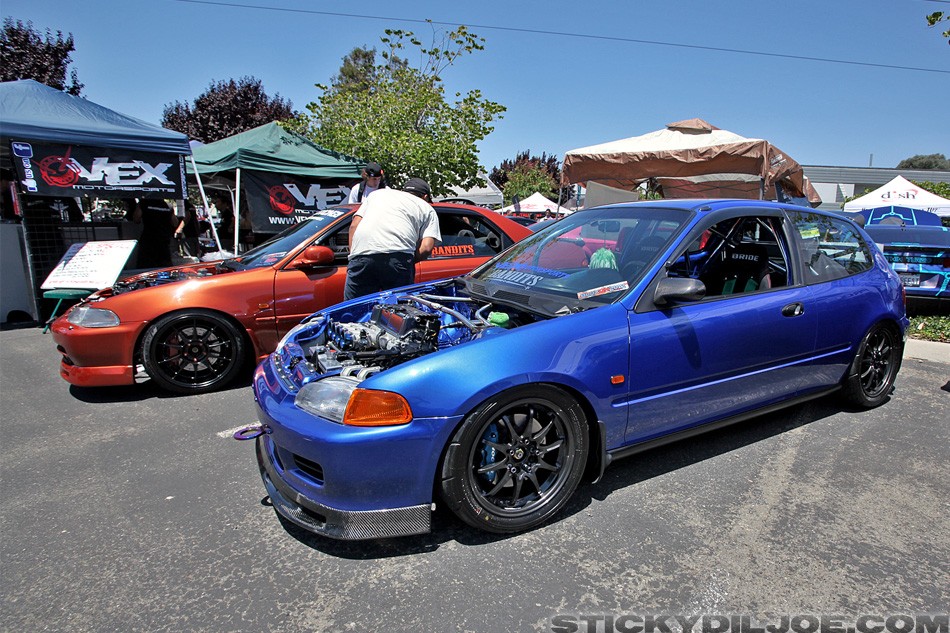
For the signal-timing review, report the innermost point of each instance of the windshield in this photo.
(586, 259)
(276, 248)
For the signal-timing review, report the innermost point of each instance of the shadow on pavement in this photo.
(641, 467)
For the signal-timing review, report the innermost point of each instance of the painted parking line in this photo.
(231, 432)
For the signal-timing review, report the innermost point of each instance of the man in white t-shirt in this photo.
(372, 180)
(391, 231)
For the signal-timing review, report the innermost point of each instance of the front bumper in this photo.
(110, 376)
(340, 524)
(341, 481)
(96, 357)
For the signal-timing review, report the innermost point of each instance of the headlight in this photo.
(338, 399)
(92, 317)
(326, 398)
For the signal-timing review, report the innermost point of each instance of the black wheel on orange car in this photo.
(192, 352)
(875, 366)
(516, 459)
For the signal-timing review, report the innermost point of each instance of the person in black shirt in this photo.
(158, 225)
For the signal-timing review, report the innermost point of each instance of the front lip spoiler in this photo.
(339, 524)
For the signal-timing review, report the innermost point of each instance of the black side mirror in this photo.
(678, 290)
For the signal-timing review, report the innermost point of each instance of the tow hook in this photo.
(251, 431)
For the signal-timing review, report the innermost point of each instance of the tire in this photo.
(192, 352)
(871, 376)
(516, 459)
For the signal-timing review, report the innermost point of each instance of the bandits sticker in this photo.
(454, 250)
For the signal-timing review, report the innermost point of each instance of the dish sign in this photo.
(90, 265)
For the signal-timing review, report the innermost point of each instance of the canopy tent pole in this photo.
(237, 210)
(204, 201)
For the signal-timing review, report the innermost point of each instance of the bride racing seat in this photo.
(740, 268)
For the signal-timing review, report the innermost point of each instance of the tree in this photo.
(525, 162)
(25, 54)
(922, 161)
(358, 72)
(397, 115)
(526, 179)
(935, 18)
(226, 108)
(941, 189)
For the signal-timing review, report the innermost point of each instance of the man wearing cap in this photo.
(372, 180)
(391, 231)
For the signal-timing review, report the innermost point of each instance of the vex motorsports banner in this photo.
(47, 169)
(278, 200)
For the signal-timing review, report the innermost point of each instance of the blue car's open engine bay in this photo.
(394, 333)
(388, 334)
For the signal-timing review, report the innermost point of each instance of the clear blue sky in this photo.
(639, 65)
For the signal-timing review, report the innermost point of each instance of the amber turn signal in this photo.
(368, 407)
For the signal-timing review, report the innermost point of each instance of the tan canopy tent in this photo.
(691, 159)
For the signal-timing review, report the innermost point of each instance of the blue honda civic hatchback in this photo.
(609, 332)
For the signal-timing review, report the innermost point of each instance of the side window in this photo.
(465, 235)
(831, 248)
(339, 242)
(736, 256)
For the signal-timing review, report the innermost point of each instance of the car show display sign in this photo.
(52, 169)
(278, 200)
(90, 265)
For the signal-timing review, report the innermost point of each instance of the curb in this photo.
(927, 350)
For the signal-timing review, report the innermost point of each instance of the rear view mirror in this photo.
(313, 256)
(607, 226)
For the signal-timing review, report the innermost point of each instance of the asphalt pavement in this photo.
(130, 509)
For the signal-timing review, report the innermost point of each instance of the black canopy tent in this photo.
(55, 147)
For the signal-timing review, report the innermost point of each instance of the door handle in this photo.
(793, 310)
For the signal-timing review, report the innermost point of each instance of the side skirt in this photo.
(627, 451)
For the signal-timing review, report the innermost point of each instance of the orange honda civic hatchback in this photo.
(194, 328)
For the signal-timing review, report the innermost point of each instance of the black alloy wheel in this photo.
(516, 459)
(192, 352)
(875, 367)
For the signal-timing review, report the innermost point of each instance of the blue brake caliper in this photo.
(489, 452)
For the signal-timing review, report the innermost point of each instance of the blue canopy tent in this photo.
(30, 110)
(55, 147)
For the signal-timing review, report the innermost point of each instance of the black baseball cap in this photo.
(417, 186)
(373, 169)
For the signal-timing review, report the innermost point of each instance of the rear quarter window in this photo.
(830, 248)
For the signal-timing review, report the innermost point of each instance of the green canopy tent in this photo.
(283, 176)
